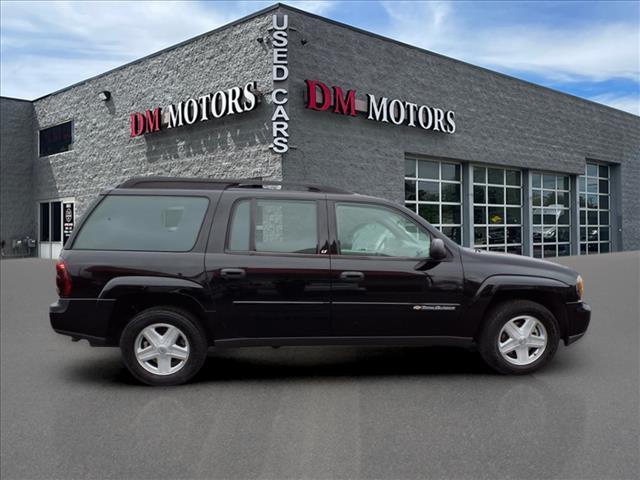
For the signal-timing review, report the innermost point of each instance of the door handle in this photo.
(351, 276)
(233, 273)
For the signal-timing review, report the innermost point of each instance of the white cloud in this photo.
(629, 103)
(594, 52)
(319, 7)
(46, 46)
(49, 45)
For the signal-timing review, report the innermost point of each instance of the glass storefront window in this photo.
(551, 201)
(594, 191)
(497, 209)
(433, 189)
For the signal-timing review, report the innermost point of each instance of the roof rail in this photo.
(224, 184)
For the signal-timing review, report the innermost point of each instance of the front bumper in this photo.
(578, 318)
(82, 318)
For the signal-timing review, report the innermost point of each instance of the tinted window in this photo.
(240, 227)
(284, 226)
(149, 223)
(288, 226)
(378, 231)
(56, 139)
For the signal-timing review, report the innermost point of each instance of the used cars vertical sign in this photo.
(280, 118)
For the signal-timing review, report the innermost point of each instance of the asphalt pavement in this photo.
(72, 411)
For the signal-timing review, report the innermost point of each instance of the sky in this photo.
(588, 49)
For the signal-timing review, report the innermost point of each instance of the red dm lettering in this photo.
(312, 96)
(152, 120)
(147, 123)
(320, 97)
(344, 105)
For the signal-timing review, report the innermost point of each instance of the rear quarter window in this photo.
(143, 223)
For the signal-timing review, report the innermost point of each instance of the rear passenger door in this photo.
(269, 265)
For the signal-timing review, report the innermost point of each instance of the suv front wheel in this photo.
(163, 346)
(519, 337)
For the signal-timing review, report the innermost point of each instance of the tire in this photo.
(527, 355)
(171, 343)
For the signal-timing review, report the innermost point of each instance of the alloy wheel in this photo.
(161, 349)
(522, 340)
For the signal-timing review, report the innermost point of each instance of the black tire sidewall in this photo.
(172, 316)
(498, 317)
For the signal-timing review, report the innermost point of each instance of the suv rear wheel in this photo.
(519, 337)
(163, 346)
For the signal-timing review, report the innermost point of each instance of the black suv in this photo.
(167, 268)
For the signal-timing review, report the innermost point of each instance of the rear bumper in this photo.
(82, 318)
(578, 318)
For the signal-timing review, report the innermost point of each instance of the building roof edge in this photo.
(166, 49)
(16, 99)
(445, 57)
(278, 5)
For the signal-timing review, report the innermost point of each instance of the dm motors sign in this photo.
(210, 106)
(398, 112)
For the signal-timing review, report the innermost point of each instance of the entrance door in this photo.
(55, 220)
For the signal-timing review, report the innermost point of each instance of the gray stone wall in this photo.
(500, 120)
(17, 208)
(103, 152)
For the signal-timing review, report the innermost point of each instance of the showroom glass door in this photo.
(55, 222)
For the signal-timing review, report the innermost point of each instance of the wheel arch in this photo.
(132, 295)
(549, 293)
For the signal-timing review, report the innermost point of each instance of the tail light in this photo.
(63, 279)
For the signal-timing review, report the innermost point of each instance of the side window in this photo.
(371, 230)
(143, 223)
(281, 226)
(286, 226)
(240, 227)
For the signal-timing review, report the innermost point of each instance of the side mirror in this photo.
(437, 250)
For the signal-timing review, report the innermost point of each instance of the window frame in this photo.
(486, 205)
(71, 144)
(586, 209)
(557, 243)
(415, 204)
(253, 208)
(432, 232)
(196, 247)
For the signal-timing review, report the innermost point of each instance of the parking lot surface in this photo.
(72, 411)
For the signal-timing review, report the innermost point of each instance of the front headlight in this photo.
(579, 287)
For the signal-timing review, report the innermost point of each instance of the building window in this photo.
(550, 198)
(594, 191)
(497, 209)
(433, 190)
(56, 139)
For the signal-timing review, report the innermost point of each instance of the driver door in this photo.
(382, 282)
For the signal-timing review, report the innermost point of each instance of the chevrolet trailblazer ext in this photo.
(169, 267)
